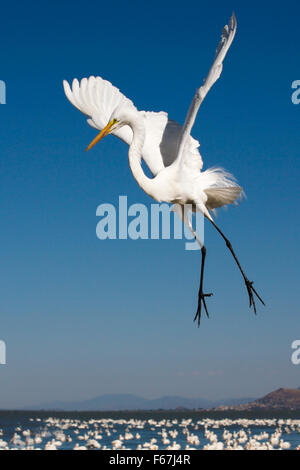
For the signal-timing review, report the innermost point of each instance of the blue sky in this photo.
(82, 317)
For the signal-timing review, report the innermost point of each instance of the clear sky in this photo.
(82, 317)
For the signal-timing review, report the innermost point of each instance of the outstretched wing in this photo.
(213, 75)
(97, 99)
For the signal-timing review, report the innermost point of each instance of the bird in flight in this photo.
(169, 150)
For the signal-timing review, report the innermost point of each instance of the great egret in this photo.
(167, 148)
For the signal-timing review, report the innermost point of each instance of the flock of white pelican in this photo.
(54, 433)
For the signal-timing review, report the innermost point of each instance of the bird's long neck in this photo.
(135, 155)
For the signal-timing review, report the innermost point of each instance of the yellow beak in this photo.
(102, 134)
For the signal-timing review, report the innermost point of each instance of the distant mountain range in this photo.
(118, 402)
(281, 398)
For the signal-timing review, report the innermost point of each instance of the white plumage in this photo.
(98, 99)
(168, 149)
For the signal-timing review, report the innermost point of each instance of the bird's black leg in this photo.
(249, 284)
(201, 295)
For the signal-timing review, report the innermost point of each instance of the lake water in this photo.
(155, 430)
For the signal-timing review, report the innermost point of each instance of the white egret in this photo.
(168, 149)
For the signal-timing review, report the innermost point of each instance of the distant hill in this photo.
(119, 402)
(283, 398)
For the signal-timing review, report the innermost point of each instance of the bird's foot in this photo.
(251, 291)
(201, 300)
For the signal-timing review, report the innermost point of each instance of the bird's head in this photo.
(120, 117)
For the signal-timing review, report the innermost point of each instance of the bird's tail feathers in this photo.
(220, 188)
